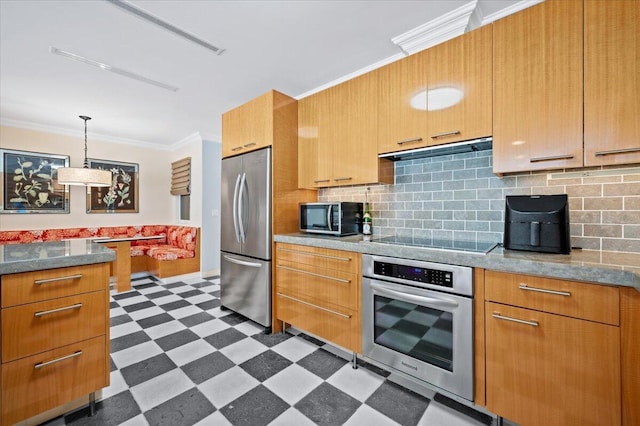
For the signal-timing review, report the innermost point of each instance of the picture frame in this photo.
(122, 196)
(28, 182)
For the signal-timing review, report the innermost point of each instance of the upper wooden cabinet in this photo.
(440, 95)
(537, 91)
(251, 125)
(337, 136)
(611, 82)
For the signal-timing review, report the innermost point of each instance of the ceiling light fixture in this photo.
(143, 14)
(84, 175)
(107, 67)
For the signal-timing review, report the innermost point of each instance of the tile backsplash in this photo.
(457, 197)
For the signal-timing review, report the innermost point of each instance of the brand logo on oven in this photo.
(413, 367)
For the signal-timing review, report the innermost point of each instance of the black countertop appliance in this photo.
(537, 223)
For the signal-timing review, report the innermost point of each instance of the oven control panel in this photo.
(414, 273)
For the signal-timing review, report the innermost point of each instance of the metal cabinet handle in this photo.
(315, 306)
(519, 321)
(617, 151)
(53, 311)
(326, 256)
(423, 300)
(249, 144)
(440, 135)
(51, 280)
(314, 274)
(321, 180)
(243, 236)
(53, 361)
(552, 158)
(235, 208)
(237, 148)
(523, 286)
(243, 263)
(342, 178)
(411, 140)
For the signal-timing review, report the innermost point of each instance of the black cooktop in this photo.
(462, 246)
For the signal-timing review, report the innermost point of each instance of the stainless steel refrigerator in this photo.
(245, 264)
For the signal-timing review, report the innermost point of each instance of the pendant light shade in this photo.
(84, 175)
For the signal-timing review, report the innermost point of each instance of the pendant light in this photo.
(84, 175)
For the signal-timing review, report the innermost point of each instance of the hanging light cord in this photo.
(86, 162)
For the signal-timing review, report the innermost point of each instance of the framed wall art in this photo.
(28, 182)
(122, 195)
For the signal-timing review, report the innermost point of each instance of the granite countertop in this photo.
(592, 266)
(55, 254)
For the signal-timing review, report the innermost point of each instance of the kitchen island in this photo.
(54, 299)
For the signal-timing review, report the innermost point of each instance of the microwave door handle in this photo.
(329, 217)
(243, 236)
(446, 303)
(235, 208)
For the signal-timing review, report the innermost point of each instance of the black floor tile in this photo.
(196, 319)
(328, 405)
(139, 306)
(257, 407)
(400, 404)
(270, 340)
(112, 411)
(233, 319)
(225, 338)
(310, 339)
(176, 339)
(175, 285)
(322, 363)
(120, 319)
(209, 304)
(113, 305)
(265, 365)
(203, 284)
(127, 295)
(157, 294)
(175, 305)
(143, 286)
(190, 293)
(209, 366)
(185, 409)
(129, 340)
(155, 320)
(148, 369)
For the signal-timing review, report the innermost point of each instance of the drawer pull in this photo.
(440, 135)
(53, 361)
(237, 148)
(552, 158)
(412, 140)
(523, 286)
(53, 311)
(321, 180)
(326, 256)
(519, 321)
(315, 275)
(51, 280)
(247, 145)
(617, 151)
(314, 306)
(342, 178)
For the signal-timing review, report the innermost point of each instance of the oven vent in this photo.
(438, 150)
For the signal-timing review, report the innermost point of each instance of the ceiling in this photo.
(292, 46)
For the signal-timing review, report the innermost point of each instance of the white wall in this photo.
(211, 158)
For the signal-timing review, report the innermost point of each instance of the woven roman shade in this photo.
(181, 177)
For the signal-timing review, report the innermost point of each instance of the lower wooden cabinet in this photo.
(319, 290)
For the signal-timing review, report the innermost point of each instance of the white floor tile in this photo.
(124, 329)
(190, 352)
(165, 329)
(166, 299)
(135, 354)
(138, 420)
(160, 389)
(184, 312)
(116, 312)
(243, 350)
(199, 298)
(249, 328)
(132, 300)
(210, 327)
(146, 313)
(225, 387)
(294, 349)
(367, 416)
(117, 385)
(216, 419)
(292, 417)
(293, 383)
(359, 383)
(441, 415)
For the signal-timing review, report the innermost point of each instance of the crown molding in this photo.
(436, 31)
(516, 7)
(193, 138)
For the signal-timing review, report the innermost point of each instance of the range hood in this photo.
(438, 150)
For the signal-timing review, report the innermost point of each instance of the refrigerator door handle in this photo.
(243, 236)
(329, 217)
(235, 208)
(242, 262)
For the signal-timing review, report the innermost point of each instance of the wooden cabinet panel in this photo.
(28, 390)
(337, 260)
(402, 121)
(591, 302)
(611, 82)
(460, 67)
(537, 88)
(563, 371)
(630, 352)
(308, 135)
(26, 287)
(38, 327)
(249, 126)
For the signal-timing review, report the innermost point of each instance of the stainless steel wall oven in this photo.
(418, 320)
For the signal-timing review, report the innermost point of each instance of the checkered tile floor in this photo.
(178, 359)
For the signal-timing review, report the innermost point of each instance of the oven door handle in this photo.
(447, 303)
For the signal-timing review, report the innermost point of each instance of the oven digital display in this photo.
(412, 273)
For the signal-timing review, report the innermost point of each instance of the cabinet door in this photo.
(308, 128)
(554, 371)
(537, 83)
(249, 126)
(459, 88)
(402, 104)
(611, 82)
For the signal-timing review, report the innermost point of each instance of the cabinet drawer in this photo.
(341, 327)
(38, 327)
(318, 285)
(30, 386)
(336, 260)
(579, 300)
(27, 287)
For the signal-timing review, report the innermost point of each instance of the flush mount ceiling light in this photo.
(143, 14)
(107, 67)
(84, 175)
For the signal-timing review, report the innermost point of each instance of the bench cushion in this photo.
(167, 252)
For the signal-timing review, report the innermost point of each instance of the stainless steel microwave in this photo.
(332, 218)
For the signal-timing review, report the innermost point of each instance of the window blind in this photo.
(181, 177)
